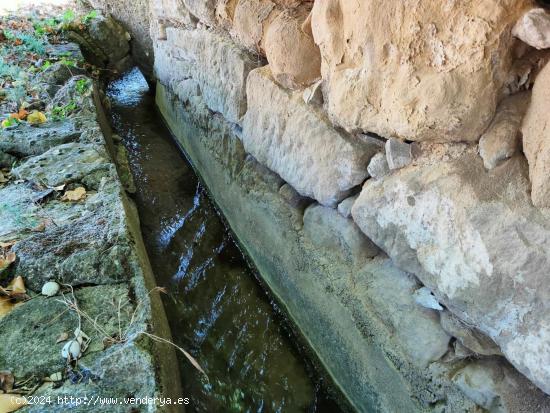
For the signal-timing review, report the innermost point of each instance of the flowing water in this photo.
(216, 308)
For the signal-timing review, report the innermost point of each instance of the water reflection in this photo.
(215, 306)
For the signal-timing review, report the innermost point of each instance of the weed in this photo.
(82, 86)
(89, 17)
(62, 112)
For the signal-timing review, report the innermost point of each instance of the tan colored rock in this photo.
(415, 70)
(288, 4)
(209, 60)
(501, 140)
(536, 139)
(534, 28)
(468, 337)
(171, 12)
(204, 10)
(225, 12)
(250, 21)
(292, 54)
(296, 141)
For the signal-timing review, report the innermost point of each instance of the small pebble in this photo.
(50, 289)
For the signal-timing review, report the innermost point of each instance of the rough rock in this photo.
(109, 38)
(6, 160)
(73, 92)
(469, 337)
(314, 94)
(417, 328)
(534, 28)
(419, 71)
(27, 140)
(136, 16)
(72, 162)
(250, 22)
(37, 353)
(293, 198)
(454, 225)
(425, 298)
(172, 13)
(497, 387)
(501, 140)
(293, 57)
(214, 62)
(536, 139)
(203, 10)
(297, 142)
(20, 210)
(55, 76)
(327, 229)
(344, 207)
(378, 166)
(398, 153)
(93, 247)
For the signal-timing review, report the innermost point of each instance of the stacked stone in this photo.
(386, 120)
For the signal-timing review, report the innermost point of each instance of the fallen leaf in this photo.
(21, 115)
(7, 260)
(74, 195)
(62, 337)
(18, 42)
(59, 187)
(36, 117)
(17, 286)
(6, 381)
(10, 403)
(6, 305)
(7, 244)
(3, 179)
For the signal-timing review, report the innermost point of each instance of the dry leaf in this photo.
(6, 381)
(7, 244)
(21, 115)
(7, 260)
(36, 117)
(62, 337)
(11, 402)
(59, 187)
(74, 195)
(16, 286)
(6, 305)
(3, 179)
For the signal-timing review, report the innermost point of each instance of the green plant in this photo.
(68, 62)
(8, 71)
(61, 112)
(68, 17)
(89, 17)
(45, 65)
(82, 86)
(32, 44)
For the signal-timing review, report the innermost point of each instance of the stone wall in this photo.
(385, 167)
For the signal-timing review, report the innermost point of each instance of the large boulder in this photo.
(296, 141)
(415, 70)
(294, 58)
(250, 21)
(536, 139)
(474, 239)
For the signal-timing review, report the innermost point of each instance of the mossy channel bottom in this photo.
(215, 306)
